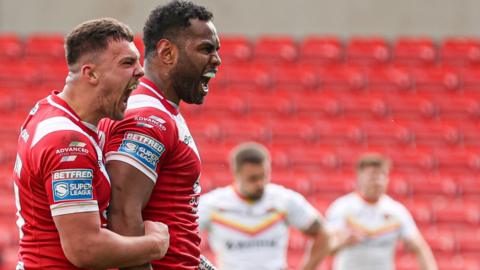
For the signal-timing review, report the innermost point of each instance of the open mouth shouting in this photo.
(206, 77)
(128, 90)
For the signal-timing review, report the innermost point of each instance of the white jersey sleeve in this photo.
(300, 213)
(335, 215)
(408, 228)
(205, 209)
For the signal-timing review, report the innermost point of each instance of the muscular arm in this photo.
(131, 190)
(422, 251)
(318, 248)
(87, 245)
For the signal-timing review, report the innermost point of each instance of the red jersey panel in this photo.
(59, 170)
(155, 139)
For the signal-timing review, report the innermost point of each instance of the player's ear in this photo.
(89, 73)
(167, 52)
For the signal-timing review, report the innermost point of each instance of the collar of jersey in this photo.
(153, 91)
(370, 202)
(241, 196)
(62, 105)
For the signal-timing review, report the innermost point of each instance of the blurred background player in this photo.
(152, 159)
(248, 222)
(61, 185)
(366, 224)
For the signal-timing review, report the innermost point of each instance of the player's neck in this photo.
(163, 84)
(77, 103)
(367, 199)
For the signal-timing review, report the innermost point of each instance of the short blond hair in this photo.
(248, 152)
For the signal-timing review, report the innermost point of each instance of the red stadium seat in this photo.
(435, 79)
(458, 161)
(386, 133)
(337, 133)
(433, 185)
(321, 50)
(221, 105)
(342, 77)
(456, 107)
(415, 51)
(309, 158)
(470, 78)
(246, 76)
(457, 263)
(468, 130)
(368, 50)
(11, 47)
(53, 76)
(421, 212)
(411, 160)
(457, 213)
(407, 106)
(469, 185)
(287, 132)
(205, 129)
(460, 50)
(243, 130)
(297, 77)
(276, 49)
(326, 184)
(15, 74)
(316, 105)
(387, 78)
(235, 49)
(362, 106)
(440, 241)
(45, 47)
(272, 102)
(468, 241)
(296, 180)
(434, 133)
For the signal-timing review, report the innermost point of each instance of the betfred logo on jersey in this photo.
(143, 148)
(72, 185)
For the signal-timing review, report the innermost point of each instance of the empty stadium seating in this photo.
(317, 103)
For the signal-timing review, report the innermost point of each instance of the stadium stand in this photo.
(317, 103)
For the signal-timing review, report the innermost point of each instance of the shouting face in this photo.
(197, 63)
(118, 72)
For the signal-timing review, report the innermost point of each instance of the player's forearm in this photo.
(130, 223)
(317, 251)
(106, 249)
(426, 259)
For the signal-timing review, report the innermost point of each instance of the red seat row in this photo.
(314, 49)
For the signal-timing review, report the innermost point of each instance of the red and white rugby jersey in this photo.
(155, 139)
(248, 234)
(59, 170)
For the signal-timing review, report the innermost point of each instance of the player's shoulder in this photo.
(391, 203)
(58, 131)
(145, 122)
(349, 199)
(279, 191)
(145, 105)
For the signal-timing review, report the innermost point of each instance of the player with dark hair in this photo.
(151, 157)
(248, 222)
(61, 184)
(366, 224)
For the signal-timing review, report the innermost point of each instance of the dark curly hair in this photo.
(166, 22)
